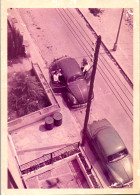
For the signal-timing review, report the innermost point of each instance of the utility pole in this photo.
(91, 88)
(115, 44)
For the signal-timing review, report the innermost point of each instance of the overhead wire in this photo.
(101, 71)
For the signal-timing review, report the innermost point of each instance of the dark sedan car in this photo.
(73, 85)
(112, 152)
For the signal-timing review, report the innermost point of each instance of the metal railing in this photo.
(50, 158)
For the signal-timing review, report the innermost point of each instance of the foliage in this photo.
(128, 17)
(25, 95)
(15, 44)
(95, 11)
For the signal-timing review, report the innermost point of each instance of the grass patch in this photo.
(25, 95)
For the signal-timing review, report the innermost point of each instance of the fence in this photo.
(50, 158)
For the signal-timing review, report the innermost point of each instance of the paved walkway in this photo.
(107, 26)
(64, 175)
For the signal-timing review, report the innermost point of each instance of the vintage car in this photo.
(73, 85)
(111, 152)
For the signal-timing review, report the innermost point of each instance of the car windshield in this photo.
(118, 155)
(76, 77)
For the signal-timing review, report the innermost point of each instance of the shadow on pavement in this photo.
(42, 128)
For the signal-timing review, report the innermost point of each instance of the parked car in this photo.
(111, 152)
(73, 85)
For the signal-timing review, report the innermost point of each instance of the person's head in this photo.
(85, 61)
(57, 71)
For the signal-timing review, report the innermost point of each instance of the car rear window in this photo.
(118, 155)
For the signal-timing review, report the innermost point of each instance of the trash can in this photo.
(49, 123)
(57, 119)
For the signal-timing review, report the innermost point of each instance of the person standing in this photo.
(85, 66)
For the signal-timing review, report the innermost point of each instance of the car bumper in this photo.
(125, 185)
(76, 106)
(129, 184)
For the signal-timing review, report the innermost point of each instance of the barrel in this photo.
(49, 123)
(57, 118)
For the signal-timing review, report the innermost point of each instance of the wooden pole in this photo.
(91, 87)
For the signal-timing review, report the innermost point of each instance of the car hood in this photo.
(122, 170)
(79, 89)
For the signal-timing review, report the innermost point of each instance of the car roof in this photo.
(69, 67)
(110, 141)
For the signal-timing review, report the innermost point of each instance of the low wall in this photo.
(40, 114)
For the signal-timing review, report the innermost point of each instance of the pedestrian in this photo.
(85, 66)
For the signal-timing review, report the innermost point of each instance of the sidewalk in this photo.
(107, 26)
